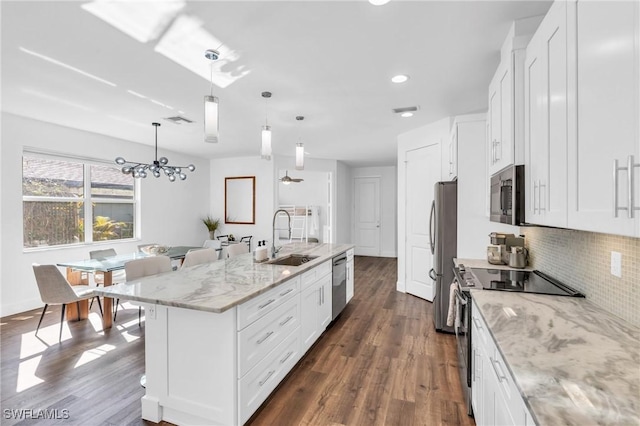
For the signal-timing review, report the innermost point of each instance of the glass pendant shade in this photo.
(211, 133)
(265, 153)
(299, 156)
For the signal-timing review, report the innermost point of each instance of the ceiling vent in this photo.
(405, 109)
(179, 120)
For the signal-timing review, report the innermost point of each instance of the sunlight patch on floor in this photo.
(93, 354)
(27, 374)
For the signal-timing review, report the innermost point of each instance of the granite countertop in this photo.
(221, 285)
(483, 264)
(574, 363)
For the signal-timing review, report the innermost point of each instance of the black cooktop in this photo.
(522, 281)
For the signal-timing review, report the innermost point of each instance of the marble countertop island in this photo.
(221, 285)
(574, 363)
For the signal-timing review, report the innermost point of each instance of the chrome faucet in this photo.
(274, 251)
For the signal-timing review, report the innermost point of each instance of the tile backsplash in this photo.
(582, 260)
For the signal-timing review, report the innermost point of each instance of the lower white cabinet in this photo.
(315, 303)
(494, 395)
(350, 281)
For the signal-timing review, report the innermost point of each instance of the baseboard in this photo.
(401, 286)
(17, 308)
(389, 253)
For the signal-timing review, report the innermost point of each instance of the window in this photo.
(58, 194)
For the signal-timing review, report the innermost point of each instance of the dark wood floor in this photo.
(381, 363)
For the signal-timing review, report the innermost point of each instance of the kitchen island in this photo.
(571, 362)
(220, 336)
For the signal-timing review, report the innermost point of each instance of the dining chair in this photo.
(198, 256)
(247, 240)
(234, 250)
(214, 244)
(224, 239)
(140, 268)
(55, 290)
(117, 276)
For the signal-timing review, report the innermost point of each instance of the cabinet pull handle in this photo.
(286, 292)
(630, 183)
(289, 318)
(498, 143)
(286, 357)
(540, 198)
(495, 365)
(264, 305)
(265, 337)
(535, 191)
(263, 381)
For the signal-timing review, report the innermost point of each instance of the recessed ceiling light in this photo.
(400, 78)
(378, 2)
(406, 114)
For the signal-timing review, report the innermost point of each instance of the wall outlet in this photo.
(150, 311)
(616, 264)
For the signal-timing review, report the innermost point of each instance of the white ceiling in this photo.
(330, 61)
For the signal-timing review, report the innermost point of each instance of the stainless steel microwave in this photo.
(507, 196)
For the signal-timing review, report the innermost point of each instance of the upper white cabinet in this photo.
(604, 115)
(545, 106)
(505, 139)
(450, 169)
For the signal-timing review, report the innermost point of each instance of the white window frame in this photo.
(86, 199)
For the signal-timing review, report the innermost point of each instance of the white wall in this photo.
(343, 208)
(264, 173)
(170, 212)
(388, 210)
(434, 133)
(473, 183)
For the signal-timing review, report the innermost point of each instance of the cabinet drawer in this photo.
(507, 387)
(483, 335)
(256, 386)
(258, 339)
(315, 274)
(261, 305)
(350, 254)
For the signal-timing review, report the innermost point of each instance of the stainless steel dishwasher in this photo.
(339, 290)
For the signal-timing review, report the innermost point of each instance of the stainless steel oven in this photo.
(507, 196)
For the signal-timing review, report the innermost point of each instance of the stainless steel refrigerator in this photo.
(443, 235)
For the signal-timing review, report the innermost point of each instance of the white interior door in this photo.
(423, 171)
(367, 216)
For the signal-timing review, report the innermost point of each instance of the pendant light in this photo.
(300, 150)
(265, 152)
(211, 131)
(139, 170)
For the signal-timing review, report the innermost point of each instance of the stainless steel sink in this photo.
(292, 260)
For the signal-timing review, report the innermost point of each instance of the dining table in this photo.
(77, 275)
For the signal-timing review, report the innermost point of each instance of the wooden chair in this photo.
(56, 290)
(140, 268)
(234, 250)
(198, 256)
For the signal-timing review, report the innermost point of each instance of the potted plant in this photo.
(212, 225)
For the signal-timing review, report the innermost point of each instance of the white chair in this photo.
(214, 244)
(139, 268)
(56, 290)
(234, 250)
(198, 256)
(116, 276)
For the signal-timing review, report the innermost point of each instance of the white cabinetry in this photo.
(350, 281)
(316, 302)
(450, 166)
(495, 397)
(505, 141)
(604, 123)
(545, 97)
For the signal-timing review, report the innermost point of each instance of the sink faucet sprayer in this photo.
(273, 236)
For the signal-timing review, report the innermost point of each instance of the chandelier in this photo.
(157, 167)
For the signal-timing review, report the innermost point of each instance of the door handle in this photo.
(432, 274)
(432, 230)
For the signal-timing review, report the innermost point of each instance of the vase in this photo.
(212, 235)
